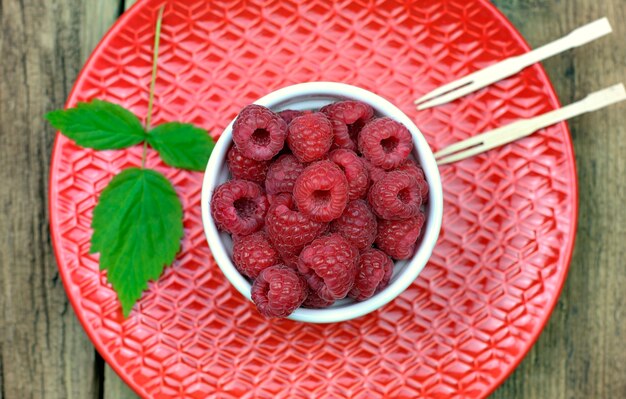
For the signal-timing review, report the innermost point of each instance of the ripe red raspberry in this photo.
(239, 207)
(341, 136)
(375, 173)
(385, 142)
(355, 171)
(395, 196)
(259, 133)
(290, 230)
(290, 114)
(357, 224)
(246, 168)
(280, 198)
(290, 257)
(282, 174)
(411, 167)
(321, 191)
(310, 136)
(314, 301)
(373, 274)
(278, 291)
(351, 114)
(329, 266)
(253, 253)
(397, 238)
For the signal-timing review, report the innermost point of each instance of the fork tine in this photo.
(459, 146)
(482, 78)
(472, 82)
(453, 95)
(486, 138)
(462, 155)
(490, 140)
(455, 84)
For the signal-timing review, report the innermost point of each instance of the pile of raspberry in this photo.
(320, 203)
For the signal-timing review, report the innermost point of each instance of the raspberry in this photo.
(289, 230)
(341, 136)
(259, 133)
(385, 142)
(357, 224)
(373, 274)
(355, 171)
(310, 136)
(314, 301)
(278, 291)
(397, 238)
(282, 174)
(290, 258)
(280, 198)
(395, 196)
(329, 266)
(375, 173)
(321, 191)
(254, 253)
(352, 115)
(239, 207)
(246, 168)
(290, 114)
(411, 167)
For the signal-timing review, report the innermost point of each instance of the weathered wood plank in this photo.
(582, 353)
(44, 351)
(1, 372)
(99, 16)
(115, 387)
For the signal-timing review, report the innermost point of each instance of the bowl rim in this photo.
(430, 233)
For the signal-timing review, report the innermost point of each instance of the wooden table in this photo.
(44, 352)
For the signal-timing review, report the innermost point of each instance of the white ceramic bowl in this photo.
(314, 95)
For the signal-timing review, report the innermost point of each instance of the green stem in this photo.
(155, 56)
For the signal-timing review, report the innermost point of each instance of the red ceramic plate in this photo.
(508, 228)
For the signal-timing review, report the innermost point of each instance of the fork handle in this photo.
(592, 102)
(578, 37)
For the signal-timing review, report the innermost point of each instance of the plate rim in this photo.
(53, 196)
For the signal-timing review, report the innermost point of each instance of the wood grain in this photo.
(43, 349)
(115, 387)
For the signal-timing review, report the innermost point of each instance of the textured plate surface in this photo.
(509, 218)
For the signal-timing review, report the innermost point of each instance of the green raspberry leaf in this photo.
(182, 145)
(138, 226)
(98, 124)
